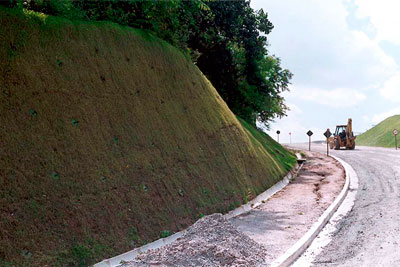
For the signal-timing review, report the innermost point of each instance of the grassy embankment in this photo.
(381, 134)
(111, 138)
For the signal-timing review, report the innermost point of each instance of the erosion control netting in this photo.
(211, 241)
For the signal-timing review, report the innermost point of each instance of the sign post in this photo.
(327, 135)
(278, 132)
(395, 132)
(309, 133)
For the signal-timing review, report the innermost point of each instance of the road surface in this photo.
(370, 234)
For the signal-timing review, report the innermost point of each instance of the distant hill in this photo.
(111, 138)
(381, 134)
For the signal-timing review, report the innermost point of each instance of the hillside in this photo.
(381, 134)
(111, 138)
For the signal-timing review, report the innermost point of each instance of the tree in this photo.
(234, 57)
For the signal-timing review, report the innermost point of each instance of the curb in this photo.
(325, 236)
(301, 245)
(132, 254)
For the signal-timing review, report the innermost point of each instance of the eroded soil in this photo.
(288, 215)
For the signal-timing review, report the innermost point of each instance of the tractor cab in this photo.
(341, 131)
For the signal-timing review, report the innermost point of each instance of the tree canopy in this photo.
(226, 39)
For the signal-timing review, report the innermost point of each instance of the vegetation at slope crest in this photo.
(226, 39)
(381, 134)
(111, 138)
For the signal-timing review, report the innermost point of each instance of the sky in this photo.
(345, 57)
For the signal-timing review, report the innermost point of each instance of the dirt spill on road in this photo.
(289, 214)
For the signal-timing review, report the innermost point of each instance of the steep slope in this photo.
(381, 134)
(111, 138)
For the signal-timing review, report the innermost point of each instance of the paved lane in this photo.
(370, 234)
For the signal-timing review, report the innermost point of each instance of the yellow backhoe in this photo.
(343, 137)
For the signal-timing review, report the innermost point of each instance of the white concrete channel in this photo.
(342, 205)
(130, 255)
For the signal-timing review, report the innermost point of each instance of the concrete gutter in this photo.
(300, 246)
(130, 255)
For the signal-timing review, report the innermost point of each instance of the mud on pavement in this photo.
(260, 236)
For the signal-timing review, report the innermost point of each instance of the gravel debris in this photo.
(211, 241)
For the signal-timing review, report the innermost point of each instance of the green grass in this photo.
(280, 155)
(382, 134)
(105, 127)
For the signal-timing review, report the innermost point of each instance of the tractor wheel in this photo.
(337, 145)
(353, 146)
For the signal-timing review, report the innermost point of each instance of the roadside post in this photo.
(395, 132)
(290, 137)
(278, 132)
(327, 135)
(309, 133)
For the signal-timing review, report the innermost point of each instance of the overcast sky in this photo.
(345, 57)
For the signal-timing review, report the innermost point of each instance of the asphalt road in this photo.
(370, 234)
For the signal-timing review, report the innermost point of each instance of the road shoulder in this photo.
(324, 236)
(287, 216)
